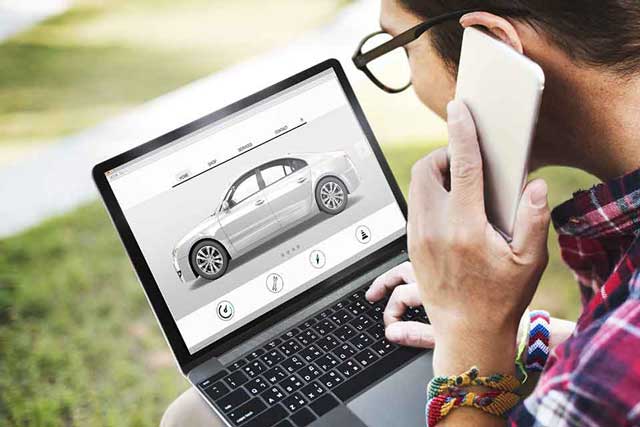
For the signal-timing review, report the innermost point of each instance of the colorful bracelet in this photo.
(443, 384)
(493, 402)
(538, 343)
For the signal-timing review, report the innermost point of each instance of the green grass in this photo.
(102, 57)
(78, 343)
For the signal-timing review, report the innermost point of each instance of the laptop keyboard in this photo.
(297, 377)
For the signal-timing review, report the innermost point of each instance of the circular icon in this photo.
(225, 310)
(274, 283)
(363, 234)
(317, 258)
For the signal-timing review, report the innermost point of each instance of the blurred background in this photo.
(81, 80)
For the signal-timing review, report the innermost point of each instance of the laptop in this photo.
(255, 232)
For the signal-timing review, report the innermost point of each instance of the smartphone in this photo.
(503, 90)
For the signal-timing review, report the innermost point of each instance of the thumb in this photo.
(532, 221)
(411, 334)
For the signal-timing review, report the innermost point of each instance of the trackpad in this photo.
(398, 400)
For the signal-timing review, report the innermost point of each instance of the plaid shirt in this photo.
(593, 378)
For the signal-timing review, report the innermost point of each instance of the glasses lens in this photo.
(392, 68)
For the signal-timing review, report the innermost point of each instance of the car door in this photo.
(248, 219)
(288, 189)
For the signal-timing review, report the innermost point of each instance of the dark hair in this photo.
(601, 33)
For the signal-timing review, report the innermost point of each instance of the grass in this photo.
(102, 57)
(78, 343)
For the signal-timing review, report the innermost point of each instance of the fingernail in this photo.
(538, 194)
(455, 112)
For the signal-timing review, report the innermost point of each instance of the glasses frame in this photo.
(361, 59)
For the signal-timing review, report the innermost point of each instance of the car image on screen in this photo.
(261, 204)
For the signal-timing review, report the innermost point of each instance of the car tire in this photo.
(331, 195)
(209, 259)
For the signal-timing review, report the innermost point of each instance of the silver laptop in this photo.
(255, 232)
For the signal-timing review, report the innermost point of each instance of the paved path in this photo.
(18, 15)
(57, 178)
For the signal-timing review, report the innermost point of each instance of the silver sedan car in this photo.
(262, 203)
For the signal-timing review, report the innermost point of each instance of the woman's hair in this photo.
(600, 33)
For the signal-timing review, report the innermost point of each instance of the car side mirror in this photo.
(225, 206)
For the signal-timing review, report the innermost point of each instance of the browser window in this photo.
(240, 216)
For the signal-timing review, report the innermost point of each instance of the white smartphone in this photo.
(503, 90)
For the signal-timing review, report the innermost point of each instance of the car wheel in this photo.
(209, 259)
(331, 195)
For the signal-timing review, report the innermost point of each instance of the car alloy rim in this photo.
(209, 259)
(331, 195)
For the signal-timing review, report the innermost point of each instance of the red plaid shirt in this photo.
(593, 378)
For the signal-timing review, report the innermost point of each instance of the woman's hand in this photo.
(473, 284)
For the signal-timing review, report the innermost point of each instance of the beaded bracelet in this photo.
(443, 384)
(493, 402)
(538, 343)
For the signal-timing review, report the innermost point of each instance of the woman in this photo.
(474, 285)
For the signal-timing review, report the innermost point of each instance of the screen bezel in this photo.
(185, 359)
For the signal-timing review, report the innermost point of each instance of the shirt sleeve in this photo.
(592, 379)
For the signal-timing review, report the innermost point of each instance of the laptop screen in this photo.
(242, 215)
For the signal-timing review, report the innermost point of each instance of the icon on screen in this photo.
(225, 310)
(274, 283)
(363, 234)
(317, 258)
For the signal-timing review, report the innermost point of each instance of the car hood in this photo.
(207, 223)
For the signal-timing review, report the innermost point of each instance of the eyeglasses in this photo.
(378, 55)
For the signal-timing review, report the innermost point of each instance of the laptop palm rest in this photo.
(398, 400)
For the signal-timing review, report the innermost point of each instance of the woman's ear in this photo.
(497, 25)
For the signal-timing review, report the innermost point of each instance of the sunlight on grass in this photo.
(102, 57)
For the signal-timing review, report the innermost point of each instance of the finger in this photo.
(429, 176)
(402, 297)
(411, 334)
(385, 283)
(532, 221)
(466, 162)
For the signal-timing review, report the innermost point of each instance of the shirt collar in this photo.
(609, 209)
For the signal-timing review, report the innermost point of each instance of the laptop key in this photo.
(366, 357)
(341, 317)
(294, 402)
(217, 390)
(323, 314)
(310, 353)
(383, 367)
(323, 327)
(376, 331)
(383, 347)
(349, 368)
(272, 357)
(247, 411)
(275, 374)
(344, 351)
(290, 347)
(291, 384)
(254, 368)
(269, 417)
(292, 364)
(237, 364)
(272, 395)
(327, 362)
(303, 417)
(256, 386)
(331, 379)
(324, 404)
(361, 341)
(344, 332)
(361, 322)
(274, 343)
(291, 333)
(255, 354)
(214, 378)
(307, 337)
(233, 399)
(309, 373)
(236, 379)
(313, 390)
(307, 324)
(356, 308)
(327, 342)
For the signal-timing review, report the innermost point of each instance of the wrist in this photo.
(492, 352)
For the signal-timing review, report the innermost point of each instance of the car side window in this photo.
(245, 189)
(297, 164)
(273, 173)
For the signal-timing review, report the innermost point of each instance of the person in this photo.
(473, 284)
